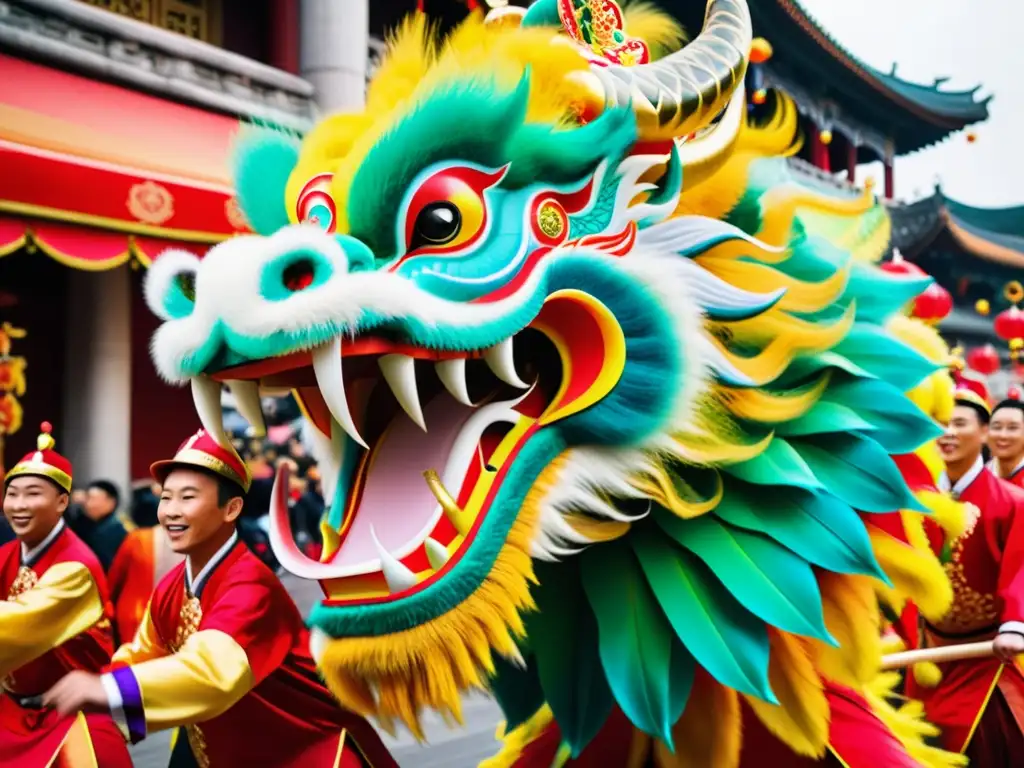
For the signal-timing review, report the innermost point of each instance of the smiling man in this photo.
(222, 649)
(54, 618)
(979, 702)
(1006, 441)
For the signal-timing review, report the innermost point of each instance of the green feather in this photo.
(517, 691)
(825, 417)
(885, 357)
(723, 636)
(779, 464)
(769, 580)
(564, 639)
(808, 366)
(899, 425)
(859, 471)
(880, 295)
(649, 670)
(818, 527)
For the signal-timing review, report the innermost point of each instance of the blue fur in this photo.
(641, 401)
(467, 574)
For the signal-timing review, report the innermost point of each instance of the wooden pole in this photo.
(938, 655)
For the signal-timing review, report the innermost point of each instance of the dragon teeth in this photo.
(247, 398)
(501, 361)
(437, 554)
(400, 374)
(327, 367)
(452, 374)
(206, 396)
(398, 577)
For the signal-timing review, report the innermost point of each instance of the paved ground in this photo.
(464, 748)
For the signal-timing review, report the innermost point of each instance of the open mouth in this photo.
(414, 443)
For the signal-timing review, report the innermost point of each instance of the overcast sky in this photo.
(971, 42)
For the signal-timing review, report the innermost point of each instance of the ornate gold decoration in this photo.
(188, 623)
(12, 384)
(23, 582)
(235, 216)
(971, 610)
(150, 203)
(551, 220)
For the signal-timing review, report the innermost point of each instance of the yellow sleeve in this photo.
(144, 646)
(64, 603)
(205, 678)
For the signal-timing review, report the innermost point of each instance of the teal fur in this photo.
(542, 13)
(176, 304)
(467, 574)
(272, 285)
(641, 402)
(263, 160)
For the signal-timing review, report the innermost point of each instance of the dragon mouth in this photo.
(413, 444)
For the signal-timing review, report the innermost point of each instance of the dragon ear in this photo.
(264, 157)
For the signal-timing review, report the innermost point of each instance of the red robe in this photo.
(981, 699)
(141, 562)
(1016, 478)
(232, 665)
(56, 619)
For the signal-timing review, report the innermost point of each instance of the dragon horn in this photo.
(681, 93)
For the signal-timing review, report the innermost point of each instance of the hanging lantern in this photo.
(984, 360)
(760, 50)
(1009, 324)
(982, 307)
(934, 305)
(1013, 393)
(900, 266)
(826, 136)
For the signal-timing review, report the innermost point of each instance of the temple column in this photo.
(851, 160)
(890, 181)
(333, 51)
(98, 376)
(284, 35)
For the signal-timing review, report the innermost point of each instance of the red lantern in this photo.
(984, 360)
(1009, 324)
(902, 267)
(1013, 393)
(934, 304)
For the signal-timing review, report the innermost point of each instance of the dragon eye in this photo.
(437, 224)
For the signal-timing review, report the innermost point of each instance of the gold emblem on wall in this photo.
(235, 216)
(150, 203)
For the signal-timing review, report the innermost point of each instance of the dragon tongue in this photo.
(396, 504)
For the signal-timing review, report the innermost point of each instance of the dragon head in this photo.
(491, 296)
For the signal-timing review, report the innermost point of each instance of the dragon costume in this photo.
(605, 395)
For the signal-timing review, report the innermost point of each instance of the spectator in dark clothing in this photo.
(99, 526)
(6, 534)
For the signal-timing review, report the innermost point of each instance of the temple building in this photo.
(116, 126)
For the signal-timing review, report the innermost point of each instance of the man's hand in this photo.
(1008, 645)
(75, 692)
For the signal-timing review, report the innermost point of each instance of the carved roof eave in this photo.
(78, 37)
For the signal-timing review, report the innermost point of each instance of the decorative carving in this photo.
(150, 203)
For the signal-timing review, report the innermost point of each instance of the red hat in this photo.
(202, 451)
(44, 462)
(971, 391)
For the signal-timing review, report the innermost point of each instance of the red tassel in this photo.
(419, 6)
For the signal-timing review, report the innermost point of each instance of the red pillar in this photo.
(890, 184)
(851, 162)
(284, 35)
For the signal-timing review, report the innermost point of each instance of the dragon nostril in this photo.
(298, 275)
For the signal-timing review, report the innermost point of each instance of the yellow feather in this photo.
(516, 740)
(662, 33)
(914, 572)
(800, 719)
(800, 296)
(771, 407)
(852, 618)
(708, 733)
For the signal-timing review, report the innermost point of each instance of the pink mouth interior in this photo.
(396, 501)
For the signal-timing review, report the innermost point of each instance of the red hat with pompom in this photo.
(44, 461)
(203, 451)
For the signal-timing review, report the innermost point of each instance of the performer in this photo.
(979, 704)
(142, 561)
(1006, 441)
(222, 649)
(55, 619)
